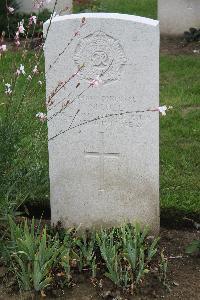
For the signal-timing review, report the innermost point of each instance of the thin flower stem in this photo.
(8, 20)
(54, 8)
(65, 48)
(59, 87)
(73, 119)
(61, 101)
(79, 95)
(63, 108)
(33, 32)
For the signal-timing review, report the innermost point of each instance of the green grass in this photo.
(180, 133)
(23, 140)
(145, 8)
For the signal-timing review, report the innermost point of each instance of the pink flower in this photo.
(21, 28)
(16, 38)
(17, 43)
(96, 82)
(32, 19)
(18, 72)
(42, 117)
(2, 48)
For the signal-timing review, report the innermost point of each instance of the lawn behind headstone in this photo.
(144, 8)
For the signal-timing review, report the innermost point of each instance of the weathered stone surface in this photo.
(177, 16)
(27, 6)
(104, 167)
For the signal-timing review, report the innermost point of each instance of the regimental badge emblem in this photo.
(101, 55)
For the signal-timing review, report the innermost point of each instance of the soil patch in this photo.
(177, 46)
(181, 220)
(183, 277)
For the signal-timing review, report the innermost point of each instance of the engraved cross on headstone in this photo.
(102, 155)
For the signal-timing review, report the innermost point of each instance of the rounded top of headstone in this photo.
(117, 16)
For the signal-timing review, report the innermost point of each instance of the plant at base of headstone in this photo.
(193, 35)
(43, 259)
(117, 270)
(163, 270)
(33, 254)
(135, 247)
(127, 254)
(85, 253)
(65, 264)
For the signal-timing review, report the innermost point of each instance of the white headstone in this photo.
(177, 16)
(29, 6)
(104, 145)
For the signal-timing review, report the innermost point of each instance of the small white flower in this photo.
(29, 77)
(21, 68)
(40, 82)
(8, 89)
(35, 70)
(8, 85)
(163, 109)
(41, 116)
(11, 9)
